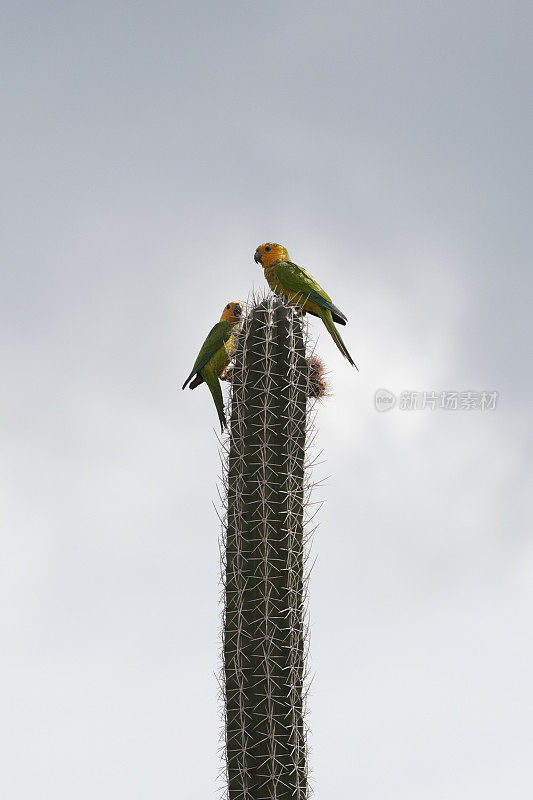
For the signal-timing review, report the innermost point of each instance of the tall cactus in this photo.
(263, 568)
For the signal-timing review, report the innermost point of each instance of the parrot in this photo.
(215, 355)
(299, 288)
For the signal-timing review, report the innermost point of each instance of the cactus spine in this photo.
(263, 567)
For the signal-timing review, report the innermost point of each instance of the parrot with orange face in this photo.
(215, 355)
(300, 289)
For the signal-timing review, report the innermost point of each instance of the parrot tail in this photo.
(335, 335)
(214, 387)
(196, 382)
(188, 379)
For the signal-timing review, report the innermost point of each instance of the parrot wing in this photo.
(298, 280)
(196, 382)
(216, 338)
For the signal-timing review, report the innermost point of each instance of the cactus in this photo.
(264, 548)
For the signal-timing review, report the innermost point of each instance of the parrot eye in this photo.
(227, 307)
(267, 249)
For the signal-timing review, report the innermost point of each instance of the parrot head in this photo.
(270, 253)
(232, 312)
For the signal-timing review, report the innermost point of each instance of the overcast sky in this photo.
(147, 149)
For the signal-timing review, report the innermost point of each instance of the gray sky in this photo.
(147, 148)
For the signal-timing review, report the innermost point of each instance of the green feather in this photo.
(337, 338)
(216, 338)
(211, 378)
(297, 279)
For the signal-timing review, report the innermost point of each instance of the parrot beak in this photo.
(237, 310)
(257, 257)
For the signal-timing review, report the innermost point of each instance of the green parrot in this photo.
(299, 288)
(215, 355)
